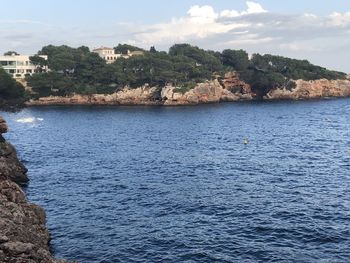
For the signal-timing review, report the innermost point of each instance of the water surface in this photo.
(157, 184)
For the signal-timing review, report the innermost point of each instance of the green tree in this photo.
(10, 53)
(124, 48)
(45, 84)
(9, 88)
(39, 62)
(237, 59)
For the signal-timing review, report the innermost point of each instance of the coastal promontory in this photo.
(185, 75)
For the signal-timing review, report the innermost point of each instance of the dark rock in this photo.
(16, 247)
(3, 126)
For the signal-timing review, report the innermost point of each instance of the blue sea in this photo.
(231, 182)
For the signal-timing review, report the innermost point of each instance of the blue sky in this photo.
(312, 29)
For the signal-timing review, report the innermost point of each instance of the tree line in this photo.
(78, 70)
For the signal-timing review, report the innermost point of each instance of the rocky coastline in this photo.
(230, 88)
(24, 237)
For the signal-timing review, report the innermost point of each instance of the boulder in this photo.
(3, 126)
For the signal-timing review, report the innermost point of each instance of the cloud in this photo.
(338, 19)
(23, 21)
(253, 26)
(324, 39)
(200, 22)
(253, 8)
(202, 14)
(255, 29)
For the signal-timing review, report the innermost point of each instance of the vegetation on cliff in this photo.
(11, 92)
(77, 70)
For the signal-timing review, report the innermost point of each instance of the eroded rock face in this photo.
(208, 92)
(312, 90)
(228, 88)
(139, 96)
(10, 167)
(24, 237)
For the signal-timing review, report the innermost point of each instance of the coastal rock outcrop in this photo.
(315, 89)
(230, 88)
(208, 92)
(24, 237)
(10, 167)
(140, 96)
(227, 88)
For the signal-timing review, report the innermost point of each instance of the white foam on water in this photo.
(26, 120)
(29, 120)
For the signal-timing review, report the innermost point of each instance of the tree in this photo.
(39, 62)
(45, 84)
(9, 88)
(10, 53)
(124, 48)
(81, 71)
(237, 59)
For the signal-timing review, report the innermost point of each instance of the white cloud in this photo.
(253, 8)
(255, 29)
(324, 39)
(230, 13)
(202, 14)
(338, 19)
(23, 21)
(200, 22)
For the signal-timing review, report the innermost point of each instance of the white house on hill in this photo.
(19, 65)
(109, 55)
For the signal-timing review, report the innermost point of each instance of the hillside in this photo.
(79, 71)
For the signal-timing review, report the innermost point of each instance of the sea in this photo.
(229, 182)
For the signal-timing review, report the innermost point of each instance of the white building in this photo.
(109, 55)
(19, 66)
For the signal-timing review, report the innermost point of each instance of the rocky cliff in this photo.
(24, 237)
(316, 89)
(228, 88)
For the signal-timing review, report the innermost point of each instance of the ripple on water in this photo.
(179, 184)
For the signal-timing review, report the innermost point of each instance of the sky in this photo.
(317, 30)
